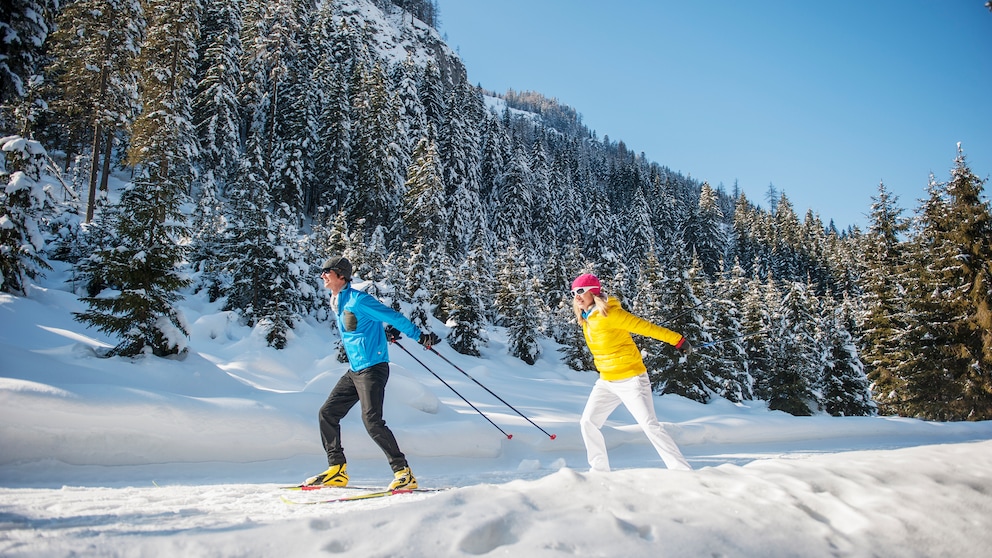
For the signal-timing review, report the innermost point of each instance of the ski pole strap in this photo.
(508, 436)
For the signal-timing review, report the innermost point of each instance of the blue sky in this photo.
(823, 100)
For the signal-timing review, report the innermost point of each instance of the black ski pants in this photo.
(367, 386)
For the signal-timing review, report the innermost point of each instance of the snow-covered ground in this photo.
(159, 457)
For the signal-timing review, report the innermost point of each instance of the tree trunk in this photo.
(95, 155)
(107, 149)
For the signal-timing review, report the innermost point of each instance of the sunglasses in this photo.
(581, 290)
(327, 270)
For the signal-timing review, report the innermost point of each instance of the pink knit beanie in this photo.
(587, 280)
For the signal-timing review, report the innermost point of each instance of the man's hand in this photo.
(428, 340)
(392, 334)
(685, 346)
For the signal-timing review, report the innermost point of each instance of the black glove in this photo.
(429, 339)
(392, 334)
(686, 347)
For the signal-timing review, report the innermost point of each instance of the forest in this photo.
(254, 139)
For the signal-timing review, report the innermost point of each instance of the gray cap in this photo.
(339, 265)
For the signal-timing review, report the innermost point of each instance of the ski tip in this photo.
(553, 436)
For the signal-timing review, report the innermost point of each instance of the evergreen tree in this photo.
(512, 202)
(680, 374)
(971, 235)
(377, 189)
(710, 243)
(653, 302)
(250, 253)
(418, 277)
(94, 50)
(406, 79)
(423, 209)
(333, 161)
(845, 389)
(727, 360)
(465, 312)
(951, 298)
(24, 26)
(522, 332)
(794, 376)
(433, 99)
(762, 307)
(216, 112)
(515, 296)
(144, 267)
(460, 155)
(884, 320)
(25, 206)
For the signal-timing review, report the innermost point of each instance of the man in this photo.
(360, 319)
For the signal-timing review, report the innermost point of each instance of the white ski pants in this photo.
(635, 394)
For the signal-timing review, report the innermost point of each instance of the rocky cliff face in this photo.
(396, 35)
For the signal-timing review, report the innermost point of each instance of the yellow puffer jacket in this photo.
(613, 350)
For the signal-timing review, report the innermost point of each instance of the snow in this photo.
(185, 457)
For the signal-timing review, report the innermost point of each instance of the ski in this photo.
(363, 496)
(306, 487)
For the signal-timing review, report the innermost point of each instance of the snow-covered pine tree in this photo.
(651, 302)
(949, 301)
(216, 116)
(378, 180)
(460, 162)
(26, 204)
(844, 386)
(24, 26)
(465, 315)
(762, 307)
(972, 278)
(216, 111)
(743, 235)
(104, 35)
(419, 270)
(684, 375)
(373, 266)
(927, 370)
(710, 242)
(539, 166)
(785, 264)
(795, 373)
(331, 234)
(249, 247)
(522, 332)
(333, 159)
(562, 200)
(144, 266)
(432, 96)
(495, 153)
(730, 356)
(423, 210)
(405, 78)
(511, 204)
(883, 321)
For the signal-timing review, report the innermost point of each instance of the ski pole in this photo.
(508, 436)
(431, 349)
(742, 336)
(686, 311)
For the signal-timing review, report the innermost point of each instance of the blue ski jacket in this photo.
(360, 320)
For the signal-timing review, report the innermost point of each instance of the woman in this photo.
(623, 378)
